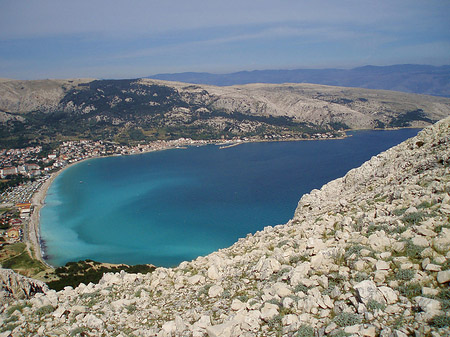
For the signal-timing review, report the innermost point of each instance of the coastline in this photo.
(34, 225)
(38, 198)
(38, 201)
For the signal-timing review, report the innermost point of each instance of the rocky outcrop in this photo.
(17, 287)
(366, 255)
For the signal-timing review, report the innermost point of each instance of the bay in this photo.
(175, 205)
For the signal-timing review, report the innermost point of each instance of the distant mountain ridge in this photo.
(410, 78)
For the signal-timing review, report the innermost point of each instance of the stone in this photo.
(398, 333)
(281, 289)
(389, 294)
(268, 311)
(196, 279)
(213, 273)
(382, 265)
(237, 305)
(267, 266)
(215, 291)
(366, 291)
(299, 272)
(426, 291)
(290, 320)
(433, 267)
(93, 322)
(359, 265)
(317, 261)
(252, 321)
(330, 327)
(369, 331)
(420, 241)
(398, 246)
(226, 329)
(430, 306)
(379, 241)
(380, 276)
(422, 230)
(443, 276)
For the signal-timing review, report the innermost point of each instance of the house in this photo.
(31, 167)
(13, 222)
(8, 171)
(22, 205)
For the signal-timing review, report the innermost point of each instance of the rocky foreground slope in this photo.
(367, 255)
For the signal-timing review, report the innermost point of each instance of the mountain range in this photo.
(412, 78)
(140, 110)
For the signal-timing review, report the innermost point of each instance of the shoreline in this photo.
(38, 198)
(34, 225)
(38, 202)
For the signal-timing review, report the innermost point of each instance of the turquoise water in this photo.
(170, 206)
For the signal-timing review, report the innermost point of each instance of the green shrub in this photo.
(131, 308)
(8, 327)
(11, 319)
(413, 251)
(410, 289)
(361, 277)
(79, 331)
(425, 204)
(399, 211)
(413, 218)
(305, 331)
(440, 321)
(15, 307)
(301, 287)
(45, 310)
(346, 319)
(296, 258)
(405, 274)
(339, 333)
(374, 305)
(355, 249)
(275, 323)
(444, 298)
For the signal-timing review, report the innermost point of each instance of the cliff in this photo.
(366, 255)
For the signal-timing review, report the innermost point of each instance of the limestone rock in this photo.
(215, 291)
(366, 291)
(268, 311)
(15, 286)
(443, 276)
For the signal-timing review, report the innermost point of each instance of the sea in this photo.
(171, 206)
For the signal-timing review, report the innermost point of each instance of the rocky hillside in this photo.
(367, 255)
(142, 109)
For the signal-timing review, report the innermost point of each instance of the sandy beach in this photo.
(38, 201)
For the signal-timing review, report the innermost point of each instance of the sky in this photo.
(136, 38)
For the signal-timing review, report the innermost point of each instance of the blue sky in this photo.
(136, 38)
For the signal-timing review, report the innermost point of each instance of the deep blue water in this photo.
(170, 206)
